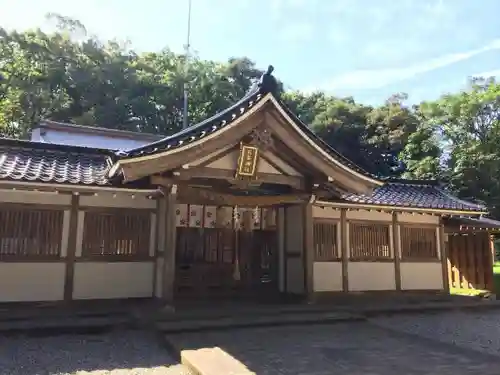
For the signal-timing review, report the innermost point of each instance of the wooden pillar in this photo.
(444, 258)
(285, 249)
(396, 248)
(308, 251)
(69, 277)
(491, 263)
(169, 249)
(344, 250)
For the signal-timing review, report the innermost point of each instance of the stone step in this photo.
(213, 361)
(191, 325)
(64, 325)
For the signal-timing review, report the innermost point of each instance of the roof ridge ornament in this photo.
(268, 83)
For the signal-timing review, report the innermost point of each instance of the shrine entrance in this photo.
(226, 253)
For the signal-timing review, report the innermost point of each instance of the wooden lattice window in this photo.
(116, 233)
(30, 233)
(325, 241)
(369, 241)
(418, 243)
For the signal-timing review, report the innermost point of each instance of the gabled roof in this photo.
(223, 119)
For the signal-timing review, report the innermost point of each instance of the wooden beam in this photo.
(229, 175)
(206, 196)
(396, 246)
(169, 249)
(308, 249)
(344, 250)
(71, 249)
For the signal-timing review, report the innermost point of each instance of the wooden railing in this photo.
(30, 233)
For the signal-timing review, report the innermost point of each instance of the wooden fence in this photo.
(470, 261)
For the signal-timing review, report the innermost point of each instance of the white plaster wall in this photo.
(100, 280)
(421, 276)
(75, 138)
(295, 276)
(295, 245)
(326, 212)
(281, 248)
(366, 276)
(159, 277)
(29, 282)
(34, 197)
(118, 200)
(365, 215)
(418, 218)
(327, 276)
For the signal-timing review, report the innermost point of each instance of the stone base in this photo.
(213, 361)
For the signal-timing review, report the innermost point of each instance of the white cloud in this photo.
(377, 78)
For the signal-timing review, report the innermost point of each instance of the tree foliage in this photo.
(69, 76)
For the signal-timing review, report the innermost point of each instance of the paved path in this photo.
(347, 348)
(120, 353)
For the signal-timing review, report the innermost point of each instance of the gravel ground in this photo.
(469, 330)
(119, 353)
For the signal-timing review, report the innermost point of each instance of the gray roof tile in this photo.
(415, 194)
(38, 162)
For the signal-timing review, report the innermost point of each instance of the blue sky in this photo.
(367, 49)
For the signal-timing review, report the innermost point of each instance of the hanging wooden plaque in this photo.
(247, 161)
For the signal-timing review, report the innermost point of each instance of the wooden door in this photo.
(225, 263)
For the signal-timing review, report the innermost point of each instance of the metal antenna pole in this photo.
(186, 66)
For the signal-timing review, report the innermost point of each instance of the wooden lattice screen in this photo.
(369, 241)
(30, 233)
(205, 245)
(418, 243)
(116, 234)
(325, 241)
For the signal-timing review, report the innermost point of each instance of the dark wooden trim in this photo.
(156, 246)
(328, 260)
(285, 247)
(294, 254)
(115, 258)
(31, 259)
(117, 210)
(369, 222)
(344, 249)
(418, 225)
(444, 258)
(420, 260)
(396, 248)
(372, 260)
(35, 206)
(308, 239)
(170, 249)
(69, 276)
